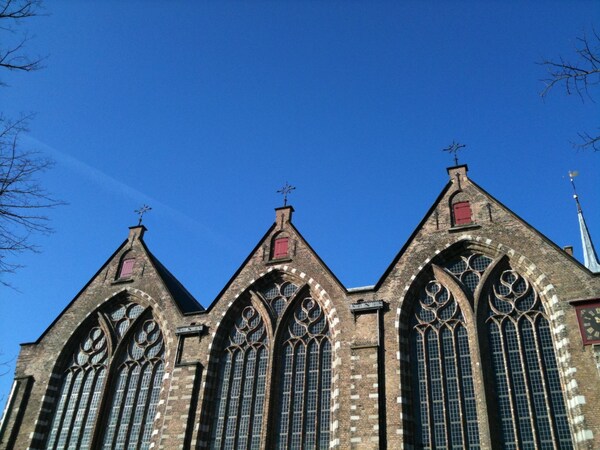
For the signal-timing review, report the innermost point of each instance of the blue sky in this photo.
(204, 109)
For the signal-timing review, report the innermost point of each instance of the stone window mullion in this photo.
(527, 383)
(508, 379)
(543, 381)
(461, 399)
(528, 363)
(443, 385)
(241, 383)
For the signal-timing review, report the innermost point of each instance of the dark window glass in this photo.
(530, 401)
(304, 392)
(132, 397)
(237, 423)
(444, 396)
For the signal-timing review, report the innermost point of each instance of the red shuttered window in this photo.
(281, 248)
(462, 213)
(126, 268)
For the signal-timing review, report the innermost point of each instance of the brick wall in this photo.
(371, 393)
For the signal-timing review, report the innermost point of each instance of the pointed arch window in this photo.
(304, 392)
(121, 356)
(519, 368)
(137, 383)
(299, 390)
(79, 399)
(237, 423)
(530, 400)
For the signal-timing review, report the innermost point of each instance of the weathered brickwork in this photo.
(368, 339)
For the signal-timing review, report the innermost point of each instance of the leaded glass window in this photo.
(522, 386)
(529, 397)
(446, 414)
(300, 388)
(304, 391)
(278, 296)
(237, 423)
(125, 345)
(80, 394)
(469, 268)
(137, 385)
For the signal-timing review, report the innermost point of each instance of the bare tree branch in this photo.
(12, 56)
(23, 201)
(5, 365)
(577, 77)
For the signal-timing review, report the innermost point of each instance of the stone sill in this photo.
(471, 226)
(273, 262)
(122, 281)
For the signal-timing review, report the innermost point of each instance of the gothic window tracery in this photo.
(529, 395)
(278, 296)
(445, 398)
(138, 379)
(515, 348)
(80, 395)
(469, 268)
(299, 386)
(243, 368)
(124, 345)
(304, 392)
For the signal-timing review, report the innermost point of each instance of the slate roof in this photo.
(185, 301)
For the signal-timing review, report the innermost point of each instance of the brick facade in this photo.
(372, 389)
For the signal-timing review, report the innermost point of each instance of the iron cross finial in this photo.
(141, 211)
(285, 190)
(453, 150)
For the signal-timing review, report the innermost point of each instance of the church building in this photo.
(481, 334)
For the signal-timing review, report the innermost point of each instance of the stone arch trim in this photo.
(52, 390)
(322, 296)
(556, 318)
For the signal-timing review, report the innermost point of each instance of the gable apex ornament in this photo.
(141, 211)
(285, 191)
(453, 149)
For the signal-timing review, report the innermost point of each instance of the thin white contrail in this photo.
(113, 185)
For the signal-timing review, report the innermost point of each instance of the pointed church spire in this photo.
(590, 258)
